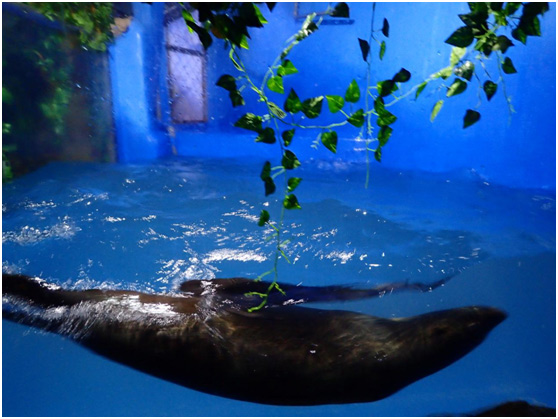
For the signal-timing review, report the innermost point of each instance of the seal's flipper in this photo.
(243, 291)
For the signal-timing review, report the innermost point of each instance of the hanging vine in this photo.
(482, 31)
(486, 32)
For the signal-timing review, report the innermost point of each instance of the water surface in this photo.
(151, 227)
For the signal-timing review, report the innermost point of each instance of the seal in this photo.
(202, 337)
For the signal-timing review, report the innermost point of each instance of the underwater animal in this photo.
(511, 409)
(203, 337)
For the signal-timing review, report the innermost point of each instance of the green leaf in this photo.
(386, 87)
(291, 202)
(266, 171)
(340, 10)
(286, 68)
(520, 35)
(353, 92)
(250, 122)
(364, 48)
(462, 37)
(511, 8)
(470, 118)
(508, 67)
(276, 110)
(251, 15)
(486, 44)
(500, 18)
(457, 54)
(335, 103)
(420, 89)
(465, 71)
(385, 28)
(269, 186)
(385, 118)
(223, 27)
(265, 175)
(202, 33)
(490, 89)
(535, 8)
(275, 84)
(378, 154)
(266, 136)
(288, 136)
(443, 73)
(496, 7)
(292, 183)
(384, 134)
(478, 8)
(476, 21)
(236, 98)
(227, 82)
(382, 50)
(402, 76)
(357, 119)
(312, 107)
(292, 103)
(188, 18)
(264, 218)
(262, 20)
(379, 106)
(436, 109)
(530, 25)
(502, 44)
(289, 160)
(457, 87)
(243, 42)
(329, 140)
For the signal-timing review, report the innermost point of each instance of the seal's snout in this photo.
(486, 318)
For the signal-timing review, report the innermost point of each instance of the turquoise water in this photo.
(151, 227)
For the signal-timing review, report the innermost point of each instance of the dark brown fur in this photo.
(286, 355)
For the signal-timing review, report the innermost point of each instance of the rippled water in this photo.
(152, 227)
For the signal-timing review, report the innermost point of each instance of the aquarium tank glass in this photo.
(279, 209)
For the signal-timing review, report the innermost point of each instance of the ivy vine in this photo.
(484, 29)
(89, 24)
(487, 30)
(92, 20)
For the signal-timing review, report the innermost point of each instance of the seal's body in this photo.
(205, 339)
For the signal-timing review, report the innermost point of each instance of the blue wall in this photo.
(520, 152)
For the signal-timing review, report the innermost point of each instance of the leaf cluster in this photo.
(385, 117)
(227, 21)
(291, 113)
(365, 45)
(484, 28)
(93, 20)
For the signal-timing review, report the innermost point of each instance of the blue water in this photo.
(150, 227)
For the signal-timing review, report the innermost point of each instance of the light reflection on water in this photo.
(149, 228)
(123, 218)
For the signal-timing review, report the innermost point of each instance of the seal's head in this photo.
(440, 338)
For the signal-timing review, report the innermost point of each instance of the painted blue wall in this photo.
(519, 152)
(135, 62)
